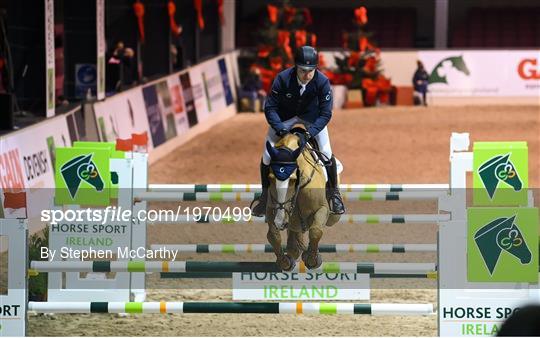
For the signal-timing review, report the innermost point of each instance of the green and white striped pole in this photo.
(171, 196)
(348, 218)
(231, 307)
(228, 266)
(220, 187)
(267, 248)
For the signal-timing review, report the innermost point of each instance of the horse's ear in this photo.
(271, 150)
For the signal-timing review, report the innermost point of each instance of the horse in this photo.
(297, 202)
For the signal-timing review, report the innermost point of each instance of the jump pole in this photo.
(348, 218)
(232, 307)
(228, 266)
(172, 196)
(323, 248)
(223, 187)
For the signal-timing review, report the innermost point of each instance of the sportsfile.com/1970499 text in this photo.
(120, 214)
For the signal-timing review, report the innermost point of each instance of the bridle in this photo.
(276, 205)
(292, 201)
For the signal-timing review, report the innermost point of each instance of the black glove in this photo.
(282, 132)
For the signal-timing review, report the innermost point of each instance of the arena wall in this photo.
(163, 109)
(475, 84)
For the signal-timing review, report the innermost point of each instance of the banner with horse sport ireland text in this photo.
(455, 73)
(301, 286)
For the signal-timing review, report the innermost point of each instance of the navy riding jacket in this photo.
(420, 81)
(285, 102)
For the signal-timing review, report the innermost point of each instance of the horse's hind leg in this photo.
(284, 262)
(312, 259)
(295, 244)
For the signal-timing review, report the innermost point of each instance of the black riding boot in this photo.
(259, 210)
(332, 189)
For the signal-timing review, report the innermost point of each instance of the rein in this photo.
(293, 201)
(317, 154)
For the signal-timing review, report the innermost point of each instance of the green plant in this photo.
(37, 285)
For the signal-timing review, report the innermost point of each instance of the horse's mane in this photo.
(289, 141)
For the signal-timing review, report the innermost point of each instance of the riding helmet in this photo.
(306, 57)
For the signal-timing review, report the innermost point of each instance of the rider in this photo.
(301, 95)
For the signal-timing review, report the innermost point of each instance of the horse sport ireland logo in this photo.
(78, 169)
(501, 235)
(453, 63)
(499, 169)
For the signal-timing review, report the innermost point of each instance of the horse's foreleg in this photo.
(295, 244)
(315, 230)
(282, 260)
(274, 238)
(312, 259)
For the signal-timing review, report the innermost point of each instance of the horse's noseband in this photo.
(292, 200)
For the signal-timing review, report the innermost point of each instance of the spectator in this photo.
(113, 68)
(523, 322)
(421, 81)
(251, 91)
(129, 66)
(61, 101)
(120, 67)
(177, 50)
(4, 86)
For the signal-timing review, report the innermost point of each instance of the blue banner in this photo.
(153, 112)
(225, 80)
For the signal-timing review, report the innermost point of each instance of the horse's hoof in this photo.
(286, 263)
(311, 261)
